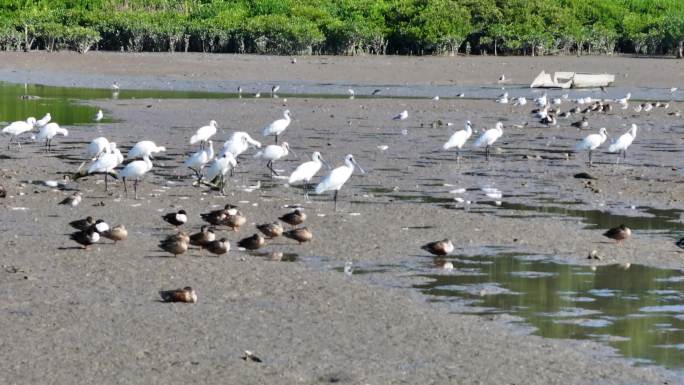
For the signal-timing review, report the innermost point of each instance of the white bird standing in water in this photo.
(49, 131)
(144, 149)
(17, 128)
(272, 153)
(305, 171)
(592, 142)
(278, 127)
(338, 177)
(98, 116)
(135, 170)
(623, 142)
(197, 160)
(220, 167)
(489, 137)
(458, 139)
(44, 120)
(204, 133)
(403, 115)
(107, 162)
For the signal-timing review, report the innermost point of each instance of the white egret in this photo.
(338, 177)
(44, 120)
(489, 137)
(107, 162)
(98, 116)
(623, 142)
(197, 160)
(272, 153)
(403, 115)
(135, 170)
(278, 127)
(305, 171)
(144, 148)
(204, 133)
(458, 139)
(17, 128)
(219, 168)
(592, 142)
(49, 131)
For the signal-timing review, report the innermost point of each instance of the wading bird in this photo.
(338, 177)
(305, 171)
(592, 142)
(278, 127)
(489, 137)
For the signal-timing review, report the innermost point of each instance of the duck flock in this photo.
(210, 167)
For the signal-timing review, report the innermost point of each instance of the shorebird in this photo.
(219, 247)
(204, 133)
(186, 294)
(135, 170)
(277, 127)
(199, 159)
(72, 200)
(44, 120)
(305, 171)
(502, 78)
(489, 137)
(107, 162)
(294, 218)
(82, 224)
(272, 153)
(338, 177)
(301, 235)
(116, 233)
(274, 89)
(443, 247)
(144, 148)
(238, 143)
(623, 142)
(403, 115)
(271, 230)
(219, 168)
(458, 139)
(351, 93)
(254, 242)
(203, 237)
(680, 243)
(49, 131)
(115, 86)
(175, 244)
(17, 128)
(619, 234)
(176, 219)
(86, 237)
(592, 142)
(503, 99)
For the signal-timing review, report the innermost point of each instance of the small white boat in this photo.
(571, 80)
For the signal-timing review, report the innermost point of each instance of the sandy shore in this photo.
(84, 317)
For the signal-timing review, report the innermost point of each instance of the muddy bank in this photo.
(84, 316)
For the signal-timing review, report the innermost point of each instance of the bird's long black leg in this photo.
(125, 187)
(335, 200)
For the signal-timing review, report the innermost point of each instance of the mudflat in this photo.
(85, 316)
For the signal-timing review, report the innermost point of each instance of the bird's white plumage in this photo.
(238, 143)
(136, 169)
(490, 136)
(220, 166)
(593, 141)
(274, 151)
(97, 147)
(624, 141)
(403, 115)
(307, 170)
(201, 157)
(99, 116)
(459, 138)
(144, 149)
(521, 101)
(204, 133)
(108, 161)
(50, 130)
(338, 177)
(20, 127)
(44, 120)
(503, 99)
(278, 126)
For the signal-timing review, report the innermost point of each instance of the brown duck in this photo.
(300, 235)
(186, 294)
(619, 233)
(219, 247)
(204, 236)
(116, 233)
(82, 224)
(176, 244)
(443, 247)
(271, 230)
(254, 242)
(294, 218)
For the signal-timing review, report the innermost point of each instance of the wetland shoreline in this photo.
(98, 313)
